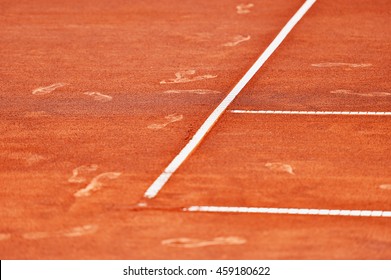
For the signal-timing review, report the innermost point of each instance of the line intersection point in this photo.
(159, 183)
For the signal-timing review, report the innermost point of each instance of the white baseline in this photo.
(291, 211)
(271, 112)
(159, 183)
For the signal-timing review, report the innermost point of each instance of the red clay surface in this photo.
(350, 32)
(338, 163)
(124, 50)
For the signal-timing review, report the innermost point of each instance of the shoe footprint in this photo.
(170, 119)
(183, 77)
(79, 171)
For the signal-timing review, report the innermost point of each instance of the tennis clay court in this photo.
(203, 129)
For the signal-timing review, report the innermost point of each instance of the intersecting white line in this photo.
(159, 183)
(272, 112)
(291, 211)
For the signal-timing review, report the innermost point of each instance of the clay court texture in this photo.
(162, 129)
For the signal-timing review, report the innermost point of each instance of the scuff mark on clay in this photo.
(369, 94)
(73, 232)
(280, 167)
(341, 64)
(237, 40)
(170, 119)
(244, 8)
(385, 186)
(47, 89)
(98, 96)
(187, 77)
(5, 236)
(185, 242)
(192, 91)
(76, 173)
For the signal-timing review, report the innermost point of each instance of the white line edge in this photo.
(159, 183)
(290, 211)
(272, 112)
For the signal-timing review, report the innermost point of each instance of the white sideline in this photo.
(159, 183)
(271, 112)
(291, 211)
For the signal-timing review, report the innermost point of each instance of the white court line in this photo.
(311, 113)
(291, 211)
(159, 183)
